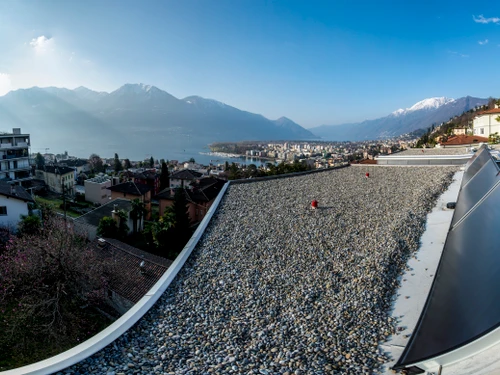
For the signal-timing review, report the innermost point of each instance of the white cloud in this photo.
(483, 42)
(458, 53)
(46, 60)
(5, 83)
(482, 19)
(42, 44)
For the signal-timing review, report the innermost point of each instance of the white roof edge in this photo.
(125, 322)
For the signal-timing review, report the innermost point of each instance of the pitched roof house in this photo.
(133, 271)
(57, 178)
(148, 177)
(183, 178)
(463, 140)
(14, 201)
(200, 196)
(485, 123)
(87, 224)
(131, 190)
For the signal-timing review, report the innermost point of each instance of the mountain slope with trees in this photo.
(400, 121)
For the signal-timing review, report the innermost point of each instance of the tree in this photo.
(191, 160)
(251, 170)
(107, 227)
(160, 229)
(117, 164)
(39, 161)
(96, 163)
(182, 230)
(151, 162)
(234, 172)
(164, 177)
(137, 213)
(127, 164)
(29, 225)
(47, 279)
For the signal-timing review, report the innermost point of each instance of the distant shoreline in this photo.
(236, 156)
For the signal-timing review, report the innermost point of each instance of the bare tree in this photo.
(46, 280)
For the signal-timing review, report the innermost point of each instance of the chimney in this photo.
(114, 214)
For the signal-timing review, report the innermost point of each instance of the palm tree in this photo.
(137, 213)
(161, 227)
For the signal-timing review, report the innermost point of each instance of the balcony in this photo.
(11, 146)
(15, 168)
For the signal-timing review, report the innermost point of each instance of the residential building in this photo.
(96, 189)
(200, 195)
(79, 165)
(146, 177)
(130, 190)
(459, 131)
(133, 273)
(58, 179)
(14, 156)
(87, 224)
(14, 201)
(485, 123)
(183, 178)
(463, 140)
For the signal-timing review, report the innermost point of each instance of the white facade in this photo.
(96, 190)
(486, 124)
(11, 210)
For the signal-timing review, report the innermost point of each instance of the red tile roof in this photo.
(458, 140)
(127, 278)
(489, 112)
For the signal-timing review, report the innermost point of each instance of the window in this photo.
(3, 210)
(482, 130)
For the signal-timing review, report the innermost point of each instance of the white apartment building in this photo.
(14, 156)
(96, 189)
(485, 123)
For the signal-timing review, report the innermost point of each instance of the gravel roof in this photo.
(276, 287)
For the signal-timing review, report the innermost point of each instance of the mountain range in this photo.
(135, 116)
(402, 121)
(137, 120)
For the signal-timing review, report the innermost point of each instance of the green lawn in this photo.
(56, 203)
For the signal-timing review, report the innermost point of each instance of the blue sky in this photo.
(317, 63)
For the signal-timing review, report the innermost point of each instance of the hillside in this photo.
(421, 115)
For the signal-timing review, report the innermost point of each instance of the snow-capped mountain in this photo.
(420, 115)
(426, 104)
